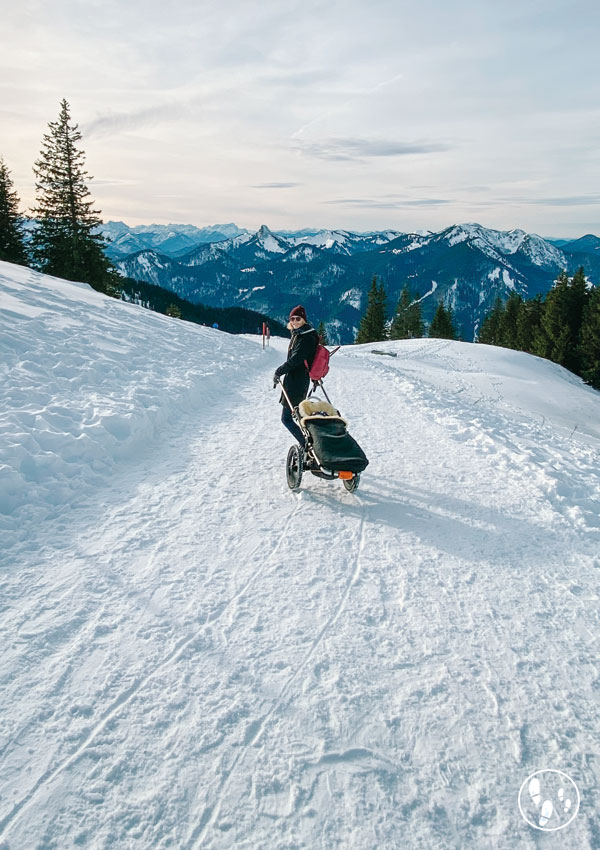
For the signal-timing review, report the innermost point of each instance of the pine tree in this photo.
(508, 325)
(407, 322)
(489, 333)
(590, 339)
(553, 326)
(65, 243)
(528, 323)
(554, 339)
(322, 331)
(442, 325)
(415, 319)
(12, 244)
(399, 328)
(452, 329)
(578, 297)
(372, 324)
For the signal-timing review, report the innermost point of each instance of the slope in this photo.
(197, 657)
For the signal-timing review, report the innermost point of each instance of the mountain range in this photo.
(170, 239)
(330, 271)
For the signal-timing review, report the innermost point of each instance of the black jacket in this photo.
(303, 346)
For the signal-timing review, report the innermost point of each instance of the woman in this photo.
(301, 350)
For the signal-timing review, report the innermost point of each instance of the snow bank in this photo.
(520, 384)
(89, 382)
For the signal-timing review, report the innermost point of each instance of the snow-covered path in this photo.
(198, 657)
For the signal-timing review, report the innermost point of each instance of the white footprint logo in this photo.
(534, 790)
(550, 806)
(546, 814)
(547, 808)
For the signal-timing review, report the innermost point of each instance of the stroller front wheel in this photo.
(294, 467)
(352, 483)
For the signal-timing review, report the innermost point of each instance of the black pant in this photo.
(286, 418)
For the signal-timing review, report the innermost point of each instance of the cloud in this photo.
(299, 79)
(370, 203)
(275, 185)
(356, 149)
(114, 181)
(110, 124)
(567, 201)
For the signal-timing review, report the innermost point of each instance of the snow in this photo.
(542, 253)
(344, 241)
(145, 261)
(427, 294)
(459, 234)
(498, 244)
(79, 394)
(205, 253)
(508, 281)
(194, 656)
(302, 252)
(412, 246)
(323, 239)
(271, 243)
(353, 297)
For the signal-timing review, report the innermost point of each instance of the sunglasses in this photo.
(296, 319)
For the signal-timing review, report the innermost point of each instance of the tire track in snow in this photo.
(124, 698)
(258, 727)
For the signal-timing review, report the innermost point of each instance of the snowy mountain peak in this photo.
(271, 243)
(499, 244)
(461, 232)
(327, 239)
(344, 241)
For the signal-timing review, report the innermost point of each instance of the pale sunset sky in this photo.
(354, 115)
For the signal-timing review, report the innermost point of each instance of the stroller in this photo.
(330, 451)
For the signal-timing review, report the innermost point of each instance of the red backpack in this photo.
(320, 364)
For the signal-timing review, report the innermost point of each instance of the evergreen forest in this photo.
(564, 327)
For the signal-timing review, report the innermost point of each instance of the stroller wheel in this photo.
(294, 467)
(352, 483)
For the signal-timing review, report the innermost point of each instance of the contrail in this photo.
(359, 92)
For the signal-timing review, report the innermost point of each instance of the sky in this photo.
(355, 115)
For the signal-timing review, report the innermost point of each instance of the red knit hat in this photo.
(298, 311)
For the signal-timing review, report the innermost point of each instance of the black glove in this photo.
(275, 380)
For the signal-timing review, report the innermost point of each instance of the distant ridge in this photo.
(466, 265)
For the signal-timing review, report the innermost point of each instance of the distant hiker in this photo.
(302, 347)
(216, 325)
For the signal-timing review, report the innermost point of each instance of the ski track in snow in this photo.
(197, 657)
(212, 814)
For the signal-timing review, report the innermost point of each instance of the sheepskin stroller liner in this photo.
(328, 439)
